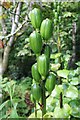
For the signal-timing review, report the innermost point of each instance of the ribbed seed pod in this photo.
(35, 17)
(35, 42)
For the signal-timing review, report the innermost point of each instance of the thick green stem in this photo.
(35, 109)
(43, 99)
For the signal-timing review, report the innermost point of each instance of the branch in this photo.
(17, 30)
(10, 42)
(14, 24)
(4, 31)
(2, 21)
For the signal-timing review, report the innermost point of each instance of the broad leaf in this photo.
(75, 105)
(56, 92)
(62, 113)
(54, 67)
(71, 92)
(63, 73)
(75, 81)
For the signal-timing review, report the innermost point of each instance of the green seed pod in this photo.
(43, 65)
(36, 92)
(46, 29)
(35, 17)
(50, 82)
(35, 42)
(35, 74)
(47, 51)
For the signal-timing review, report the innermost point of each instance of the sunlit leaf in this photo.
(63, 73)
(54, 56)
(54, 67)
(78, 63)
(71, 92)
(7, 5)
(39, 114)
(75, 105)
(48, 115)
(56, 92)
(62, 113)
(75, 81)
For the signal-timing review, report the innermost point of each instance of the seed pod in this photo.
(36, 92)
(50, 82)
(35, 17)
(35, 42)
(35, 74)
(46, 29)
(47, 51)
(43, 65)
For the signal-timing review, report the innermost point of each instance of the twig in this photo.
(17, 30)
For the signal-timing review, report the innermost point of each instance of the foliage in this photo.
(14, 104)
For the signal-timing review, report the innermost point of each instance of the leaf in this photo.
(39, 114)
(3, 104)
(63, 73)
(75, 105)
(75, 81)
(48, 115)
(54, 56)
(7, 5)
(15, 102)
(56, 92)
(14, 114)
(78, 63)
(62, 113)
(3, 16)
(67, 14)
(55, 67)
(71, 92)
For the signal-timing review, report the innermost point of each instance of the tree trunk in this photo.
(4, 53)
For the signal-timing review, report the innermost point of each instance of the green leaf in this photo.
(14, 114)
(62, 113)
(39, 114)
(67, 14)
(56, 92)
(75, 81)
(48, 115)
(54, 56)
(63, 73)
(75, 105)
(55, 67)
(71, 92)
(78, 63)
(3, 104)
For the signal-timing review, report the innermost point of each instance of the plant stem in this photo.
(43, 99)
(35, 109)
(59, 78)
(61, 100)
